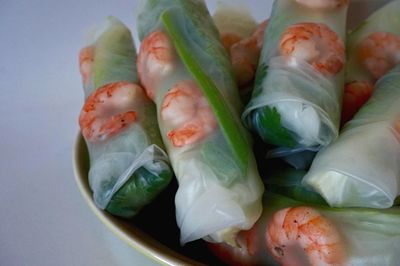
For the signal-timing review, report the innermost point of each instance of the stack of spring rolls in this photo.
(322, 100)
(362, 167)
(182, 90)
(340, 209)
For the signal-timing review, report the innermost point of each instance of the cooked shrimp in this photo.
(323, 4)
(379, 52)
(108, 111)
(228, 39)
(86, 57)
(315, 43)
(245, 54)
(156, 60)
(356, 94)
(186, 110)
(396, 128)
(302, 234)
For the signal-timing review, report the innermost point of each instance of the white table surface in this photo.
(43, 218)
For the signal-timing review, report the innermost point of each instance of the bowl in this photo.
(144, 232)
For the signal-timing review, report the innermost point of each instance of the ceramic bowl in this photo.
(153, 231)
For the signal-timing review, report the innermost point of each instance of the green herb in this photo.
(227, 169)
(267, 122)
(141, 189)
(231, 129)
(288, 182)
(260, 75)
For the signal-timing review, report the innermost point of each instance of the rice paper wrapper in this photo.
(215, 199)
(385, 19)
(114, 55)
(335, 236)
(112, 171)
(129, 169)
(234, 17)
(217, 196)
(306, 103)
(304, 96)
(362, 168)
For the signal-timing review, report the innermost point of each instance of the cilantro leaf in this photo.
(267, 122)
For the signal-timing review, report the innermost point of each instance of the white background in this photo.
(43, 218)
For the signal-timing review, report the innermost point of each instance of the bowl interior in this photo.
(153, 231)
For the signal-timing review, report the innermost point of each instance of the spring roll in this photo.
(291, 232)
(128, 166)
(287, 181)
(242, 37)
(296, 102)
(234, 22)
(186, 71)
(362, 168)
(373, 49)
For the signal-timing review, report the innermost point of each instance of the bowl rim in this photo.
(134, 237)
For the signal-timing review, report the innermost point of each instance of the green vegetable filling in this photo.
(141, 188)
(267, 123)
(231, 129)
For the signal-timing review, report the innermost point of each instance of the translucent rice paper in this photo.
(362, 168)
(234, 17)
(114, 50)
(128, 170)
(358, 78)
(217, 196)
(306, 103)
(368, 237)
(385, 19)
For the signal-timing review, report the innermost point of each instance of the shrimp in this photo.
(356, 94)
(229, 39)
(245, 54)
(396, 128)
(323, 4)
(315, 43)
(108, 111)
(379, 52)
(86, 58)
(302, 234)
(156, 59)
(187, 111)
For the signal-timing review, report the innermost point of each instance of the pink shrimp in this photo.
(396, 128)
(323, 4)
(302, 234)
(86, 57)
(156, 60)
(356, 94)
(245, 54)
(315, 43)
(228, 39)
(379, 52)
(108, 111)
(187, 111)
